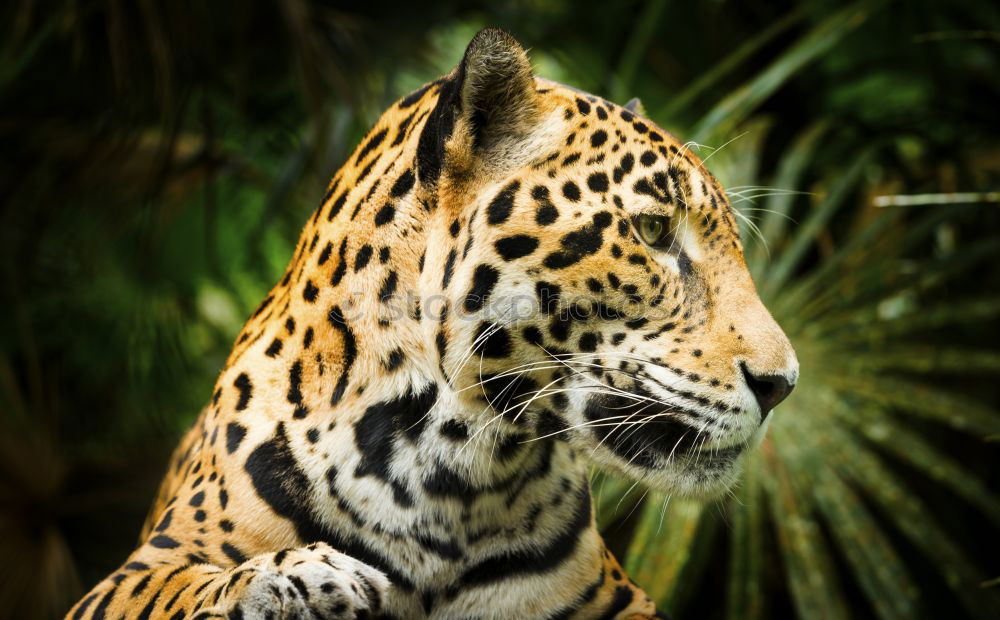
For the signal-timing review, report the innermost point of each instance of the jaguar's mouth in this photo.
(680, 448)
(642, 432)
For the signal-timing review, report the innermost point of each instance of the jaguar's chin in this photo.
(707, 472)
(702, 474)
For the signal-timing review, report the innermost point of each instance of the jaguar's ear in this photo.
(635, 106)
(494, 101)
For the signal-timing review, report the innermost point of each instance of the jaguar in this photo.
(509, 281)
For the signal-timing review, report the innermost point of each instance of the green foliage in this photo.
(160, 159)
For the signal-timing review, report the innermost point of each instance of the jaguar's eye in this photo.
(653, 229)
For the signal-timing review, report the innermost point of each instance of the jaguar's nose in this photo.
(769, 390)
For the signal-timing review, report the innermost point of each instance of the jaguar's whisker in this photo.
(727, 143)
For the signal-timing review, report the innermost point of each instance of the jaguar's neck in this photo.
(434, 445)
(450, 492)
(357, 330)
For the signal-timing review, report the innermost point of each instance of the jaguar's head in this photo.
(596, 285)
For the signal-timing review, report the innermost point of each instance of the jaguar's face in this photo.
(605, 299)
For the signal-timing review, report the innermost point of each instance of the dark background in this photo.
(159, 159)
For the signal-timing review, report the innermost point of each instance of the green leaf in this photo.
(14, 62)
(725, 66)
(833, 271)
(877, 567)
(663, 545)
(913, 398)
(814, 223)
(909, 447)
(938, 315)
(614, 498)
(916, 521)
(869, 287)
(645, 27)
(775, 221)
(926, 359)
(740, 103)
(809, 569)
(869, 266)
(745, 598)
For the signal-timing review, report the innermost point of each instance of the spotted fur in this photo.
(404, 426)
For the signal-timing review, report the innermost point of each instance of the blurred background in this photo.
(159, 159)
